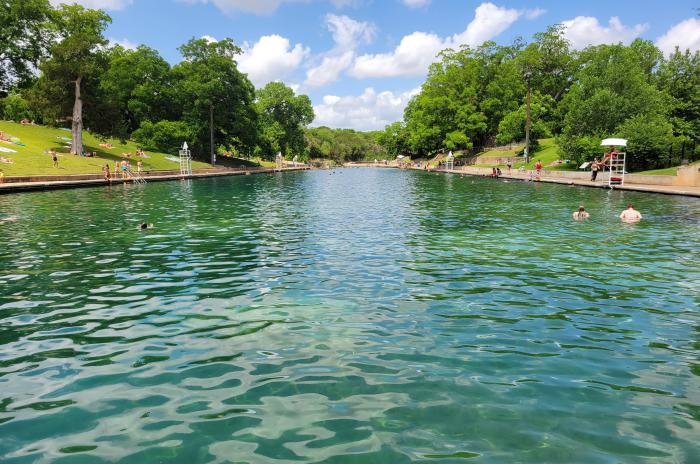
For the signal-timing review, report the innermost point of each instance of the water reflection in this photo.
(376, 315)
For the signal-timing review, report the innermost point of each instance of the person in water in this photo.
(145, 225)
(630, 214)
(581, 214)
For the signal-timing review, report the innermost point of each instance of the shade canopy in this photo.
(614, 143)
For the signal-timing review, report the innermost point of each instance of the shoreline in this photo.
(65, 182)
(549, 179)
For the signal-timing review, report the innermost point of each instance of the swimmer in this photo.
(581, 214)
(145, 226)
(630, 214)
(9, 219)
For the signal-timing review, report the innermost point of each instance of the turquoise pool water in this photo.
(355, 316)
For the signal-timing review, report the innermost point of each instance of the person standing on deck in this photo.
(595, 166)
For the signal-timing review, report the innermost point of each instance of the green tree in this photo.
(163, 136)
(283, 117)
(138, 84)
(16, 108)
(77, 58)
(25, 36)
(216, 98)
(394, 139)
(679, 77)
(512, 126)
(649, 140)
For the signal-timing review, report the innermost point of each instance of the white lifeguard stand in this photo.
(185, 160)
(616, 163)
(450, 162)
(279, 161)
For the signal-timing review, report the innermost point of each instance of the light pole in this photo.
(528, 119)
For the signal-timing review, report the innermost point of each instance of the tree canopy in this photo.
(477, 97)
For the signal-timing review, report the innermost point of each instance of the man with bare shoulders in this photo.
(630, 214)
(581, 214)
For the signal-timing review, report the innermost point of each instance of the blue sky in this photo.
(360, 61)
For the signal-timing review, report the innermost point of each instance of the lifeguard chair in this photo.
(616, 162)
(450, 162)
(185, 160)
(279, 161)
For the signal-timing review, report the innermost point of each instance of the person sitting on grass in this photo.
(6, 160)
(581, 214)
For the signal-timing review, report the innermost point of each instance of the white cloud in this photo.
(583, 31)
(416, 3)
(348, 34)
(97, 4)
(417, 51)
(534, 13)
(209, 38)
(261, 7)
(271, 58)
(684, 35)
(126, 43)
(344, 3)
(369, 111)
(329, 70)
(489, 21)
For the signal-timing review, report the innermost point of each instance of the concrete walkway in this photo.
(551, 178)
(65, 183)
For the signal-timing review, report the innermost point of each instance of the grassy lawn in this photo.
(501, 153)
(672, 171)
(32, 159)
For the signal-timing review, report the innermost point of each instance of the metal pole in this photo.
(211, 133)
(527, 119)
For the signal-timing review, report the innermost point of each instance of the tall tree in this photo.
(138, 84)
(25, 35)
(283, 116)
(79, 56)
(216, 96)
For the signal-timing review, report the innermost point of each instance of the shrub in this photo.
(163, 136)
(15, 108)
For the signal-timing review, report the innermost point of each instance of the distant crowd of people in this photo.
(122, 169)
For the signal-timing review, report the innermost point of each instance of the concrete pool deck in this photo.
(78, 181)
(550, 177)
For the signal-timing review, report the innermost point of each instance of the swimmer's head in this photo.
(629, 206)
(581, 209)
(144, 226)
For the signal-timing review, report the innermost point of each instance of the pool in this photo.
(356, 315)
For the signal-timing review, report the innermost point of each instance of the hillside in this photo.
(30, 157)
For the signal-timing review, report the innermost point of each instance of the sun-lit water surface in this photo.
(355, 316)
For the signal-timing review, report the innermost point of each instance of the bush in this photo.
(580, 149)
(649, 141)
(15, 108)
(163, 136)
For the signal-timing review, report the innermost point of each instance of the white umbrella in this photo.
(614, 143)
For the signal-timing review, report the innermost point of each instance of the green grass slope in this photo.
(32, 159)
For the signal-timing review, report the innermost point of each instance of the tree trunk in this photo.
(77, 124)
(528, 121)
(211, 134)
